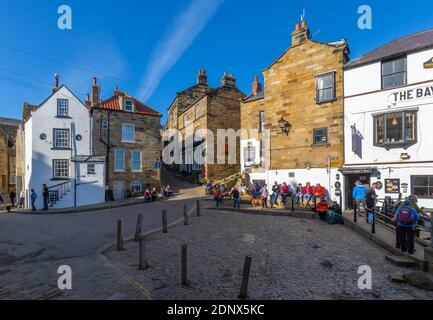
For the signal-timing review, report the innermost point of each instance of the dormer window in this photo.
(62, 108)
(128, 105)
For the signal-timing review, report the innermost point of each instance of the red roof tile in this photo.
(113, 103)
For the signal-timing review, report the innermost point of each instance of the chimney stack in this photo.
(88, 102)
(257, 86)
(116, 91)
(56, 83)
(95, 91)
(301, 34)
(202, 77)
(228, 81)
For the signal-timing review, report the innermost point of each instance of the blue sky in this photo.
(153, 49)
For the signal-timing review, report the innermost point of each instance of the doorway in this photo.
(350, 180)
(119, 190)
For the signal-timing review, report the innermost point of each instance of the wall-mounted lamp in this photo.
(284, 126)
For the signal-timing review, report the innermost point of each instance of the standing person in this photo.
(22, 200)
(236, 196)
(265, 194)
(45, 194)
(256, 191)
(370, 199)
(2, 202)
(154, 194)
(407, 220)
(397, 206)
(12, 197)
(299, 194)
(358, 195)
(308, 194)
(276, 189)
(33, 197)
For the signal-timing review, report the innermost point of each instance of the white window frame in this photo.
(136, 183)
(57, 139)
(132, 161)
(125, 104)
(124, 126)
(62, 109)
(55, 168)
(93, 170)
(319, 89)
(116, 159)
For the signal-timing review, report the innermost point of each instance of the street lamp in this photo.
(284, 126)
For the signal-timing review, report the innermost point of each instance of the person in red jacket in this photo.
(308, 194)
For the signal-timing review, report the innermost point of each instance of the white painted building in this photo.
(57, 152)
(388, 114)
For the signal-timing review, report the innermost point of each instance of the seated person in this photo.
(168, 193)
(308, 194)
(218, 197)
(147, 196)
(154, 194)
(257, 191)
(285, 192)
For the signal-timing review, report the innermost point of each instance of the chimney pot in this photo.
(95, 91)
(257, 86)
(56, 82)
(202, 77)
(304, 24)
(298, 27)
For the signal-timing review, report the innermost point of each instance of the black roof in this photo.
(400, 46)
(253, 97)
(9, 122)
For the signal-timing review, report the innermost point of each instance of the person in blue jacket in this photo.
(407, 219)
(358, 195)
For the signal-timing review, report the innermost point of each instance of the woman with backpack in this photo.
(407, 219)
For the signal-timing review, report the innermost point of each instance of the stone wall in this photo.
(290, 92)
(148, 140)
(7, 157)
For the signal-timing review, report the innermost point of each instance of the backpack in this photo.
(406, 217)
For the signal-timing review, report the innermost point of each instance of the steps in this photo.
(401, 261)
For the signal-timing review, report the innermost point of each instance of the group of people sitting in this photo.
(268, 197)
(151, 195)
(302, 195)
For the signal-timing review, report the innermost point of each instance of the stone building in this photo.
(8, 135)
(201, 107)
(127, 132)
(301, 109)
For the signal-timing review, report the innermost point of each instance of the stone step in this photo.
(402, 261)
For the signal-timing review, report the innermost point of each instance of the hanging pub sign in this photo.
(392, 186)
(428, 64)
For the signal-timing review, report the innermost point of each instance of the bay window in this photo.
(395, 129)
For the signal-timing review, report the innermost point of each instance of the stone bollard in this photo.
(198, 208)
(119, 235)
(245, 278)
(138, 227)
(164, 221)
(142, 261)
(185, 215)
(184, 265)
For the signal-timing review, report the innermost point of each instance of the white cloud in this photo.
(184, 30)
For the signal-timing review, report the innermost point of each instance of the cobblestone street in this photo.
(291, 259)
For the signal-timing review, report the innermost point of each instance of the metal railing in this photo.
(382, 215)
(56, 192)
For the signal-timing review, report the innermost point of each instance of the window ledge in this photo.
(126, 141)
(119, 171)
(60, 179)
(317, 145)
(63, 117)
(327, 101)
(396, 145)
(63, 149)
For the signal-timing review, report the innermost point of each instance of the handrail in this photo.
(59, 185)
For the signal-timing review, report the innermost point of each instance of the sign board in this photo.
(356, 171)
(158, 165)
(392, 186)
(428, 64)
